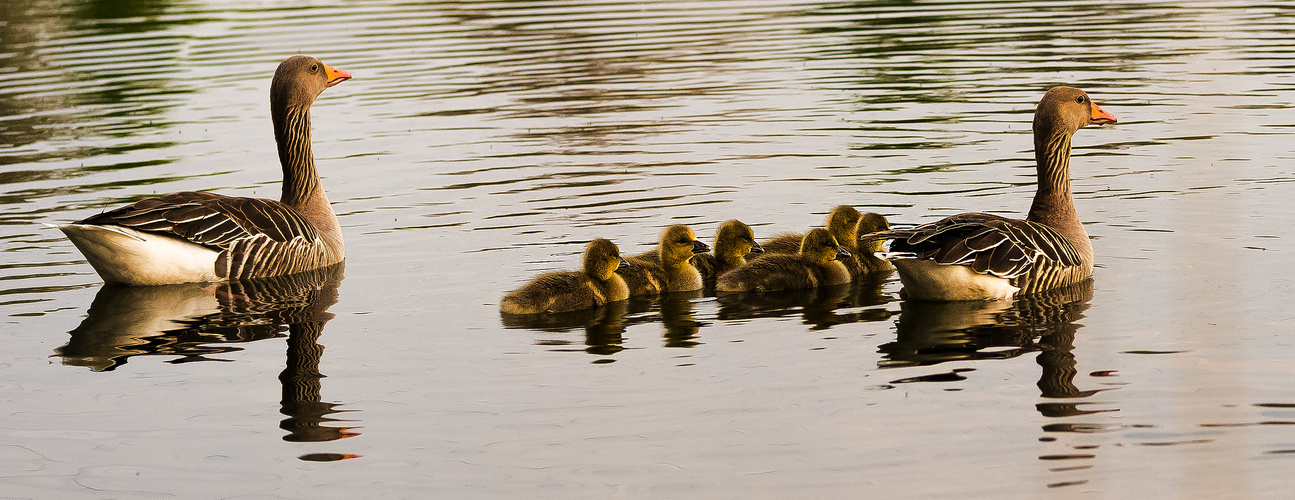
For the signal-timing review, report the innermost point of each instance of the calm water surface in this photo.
(481, 143)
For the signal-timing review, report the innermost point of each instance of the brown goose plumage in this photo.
(197, 236)
(978, 256)
(817, 264)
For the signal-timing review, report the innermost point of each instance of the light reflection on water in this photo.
(481, 143)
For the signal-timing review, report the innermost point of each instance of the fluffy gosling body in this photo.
(817, 264)
(666, 269)
(734, 241)
(594, 285)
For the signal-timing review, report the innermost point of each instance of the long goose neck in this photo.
(301, 187)
(1053, 204)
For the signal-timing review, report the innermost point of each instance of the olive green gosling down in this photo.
(865, 259)
(842, 223)
(817, 264)
(733, 242)
(977, 256)
(846, 224)
(198, 237)
(666, 269)
(594, 285)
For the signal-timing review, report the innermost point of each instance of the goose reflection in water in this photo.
(197, 321)
(936, 332)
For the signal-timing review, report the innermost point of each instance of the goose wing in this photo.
(255, 236)
(988, 244)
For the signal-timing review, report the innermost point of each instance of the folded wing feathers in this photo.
(255, 237)
(989, 244)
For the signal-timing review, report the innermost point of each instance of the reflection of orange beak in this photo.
(1100, 116)
(336, 76)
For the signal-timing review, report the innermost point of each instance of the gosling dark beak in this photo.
(842, 253)
(756, 248)
(699, 247)
(623, 264)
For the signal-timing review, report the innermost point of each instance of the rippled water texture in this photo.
(482, 143)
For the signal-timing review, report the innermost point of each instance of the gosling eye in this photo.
(1079, 99)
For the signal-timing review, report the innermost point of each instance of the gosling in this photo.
(817, 264)
(846, 225)
(865, 260)
(666, 269)
(596, 284)
(733, 242)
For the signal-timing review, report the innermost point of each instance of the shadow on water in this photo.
(196, 322)
(929, 333)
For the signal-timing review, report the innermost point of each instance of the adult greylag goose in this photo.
(817, 264)
(198, 237)
(733, 242)
(977, 256)
(666, 269)
(596, 284)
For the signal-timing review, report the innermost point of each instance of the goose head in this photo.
(1063, 110)
(602, 259)
(300, 79)
(678, 244)
(820, 247)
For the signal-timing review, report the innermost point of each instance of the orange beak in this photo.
(1100, 116)
(336, 76)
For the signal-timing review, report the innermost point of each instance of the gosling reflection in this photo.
(676, 317)
(820, 307)
(936, 332)
(605, 326)
(198, 321)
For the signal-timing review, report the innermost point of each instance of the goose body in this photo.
(595, 285)
(666, 269)
(817, 264)
(977, 256)
(198, 237)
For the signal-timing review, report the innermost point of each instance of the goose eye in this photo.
(1079, 99)
(314, 68)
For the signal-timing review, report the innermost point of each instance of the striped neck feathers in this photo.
(1053, 204)
(301, 186)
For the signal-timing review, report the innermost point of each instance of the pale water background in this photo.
(481, 143)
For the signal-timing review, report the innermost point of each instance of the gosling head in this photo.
(678, 244)
(871, 223)
(602, 259)
(842, 222)
(734, 240)
(819, 246)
